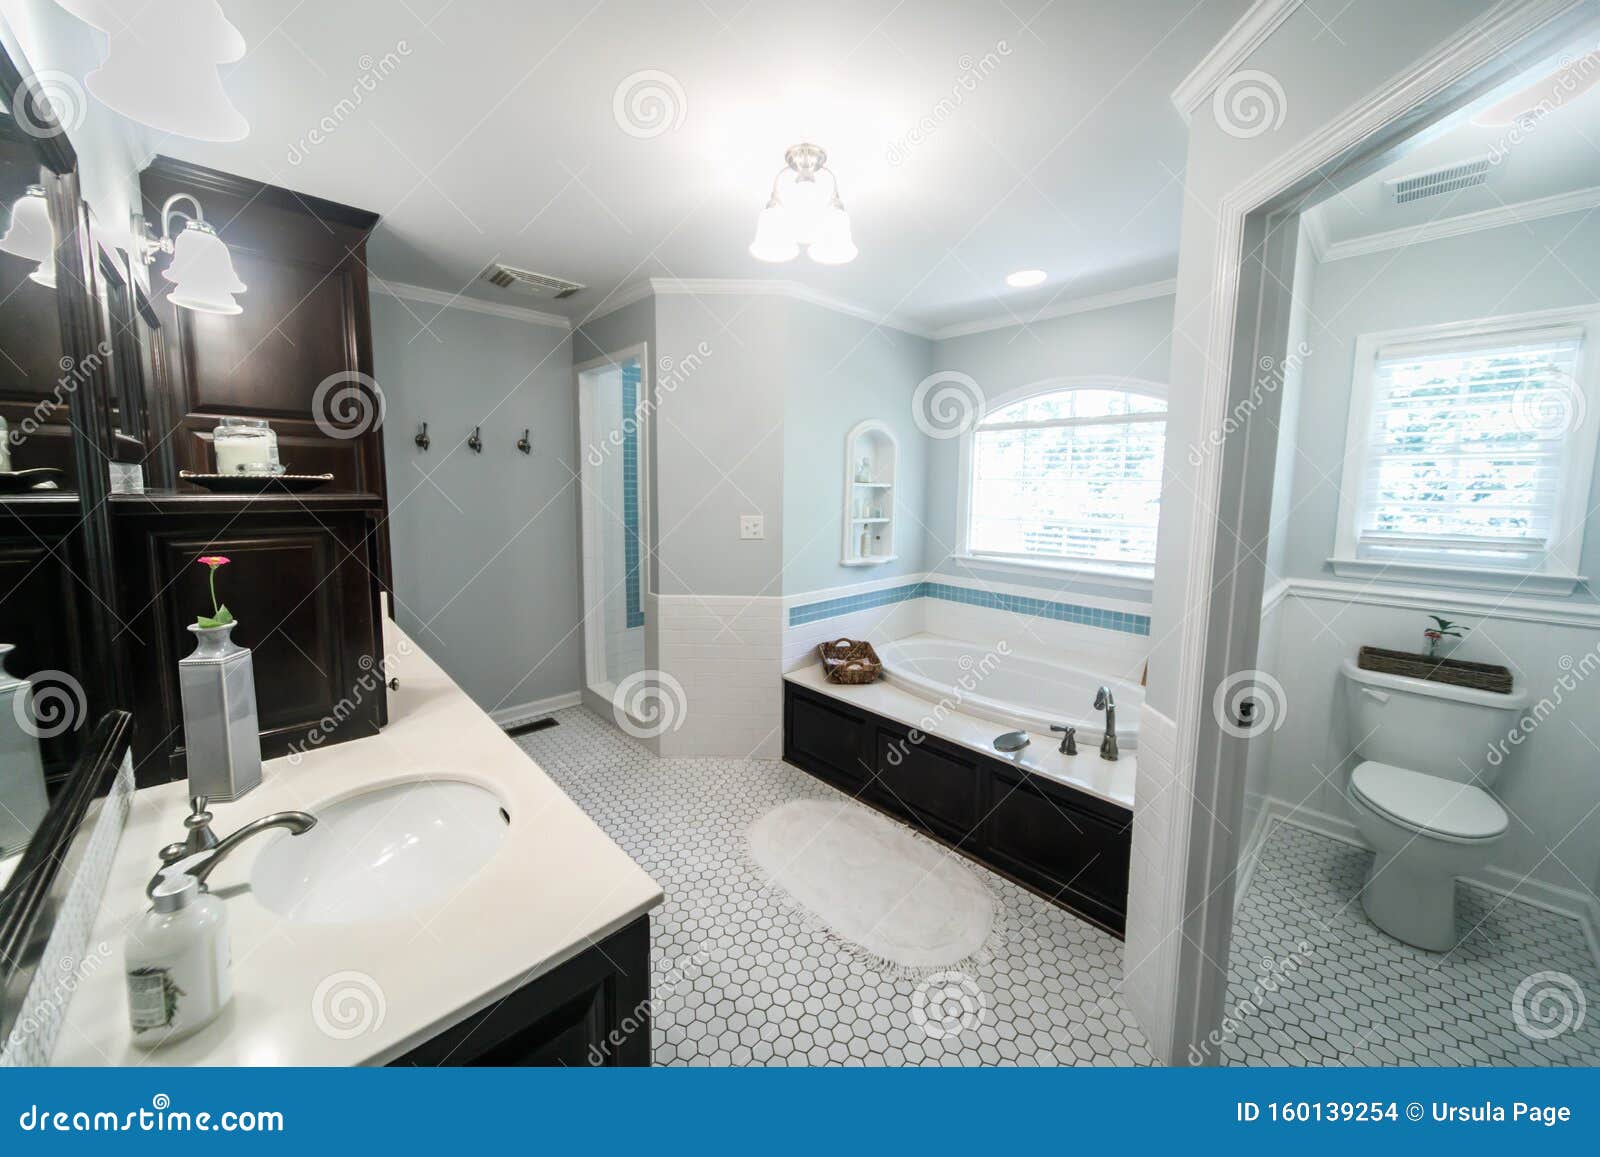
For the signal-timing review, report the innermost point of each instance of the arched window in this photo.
(1068, 477)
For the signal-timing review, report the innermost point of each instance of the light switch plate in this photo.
(752, 526)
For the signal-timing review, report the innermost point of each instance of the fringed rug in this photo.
(900, 902)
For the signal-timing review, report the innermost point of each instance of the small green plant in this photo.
(220, 615)
(1441, 630)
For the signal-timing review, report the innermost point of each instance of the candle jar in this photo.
(245, 446)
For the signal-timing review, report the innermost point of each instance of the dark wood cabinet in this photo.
(1069, 846)
(593, 1011)
(302, 585)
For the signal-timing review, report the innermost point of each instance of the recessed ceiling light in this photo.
(1026, 278)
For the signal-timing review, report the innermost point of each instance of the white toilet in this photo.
(1420, 795)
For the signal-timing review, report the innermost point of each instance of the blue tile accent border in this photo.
(1123, 621)
(630, 494)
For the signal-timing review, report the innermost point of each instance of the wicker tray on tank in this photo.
(849, 661)
(1456, 672)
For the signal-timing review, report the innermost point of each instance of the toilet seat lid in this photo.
(1428, 803)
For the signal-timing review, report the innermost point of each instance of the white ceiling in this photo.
(1558, 154)
(493, 137)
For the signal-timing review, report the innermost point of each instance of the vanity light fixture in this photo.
(1026, 278)
(32, 237)
(803, 212)
(181, 91)
(201, 270)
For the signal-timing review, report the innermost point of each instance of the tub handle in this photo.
(1380, 696)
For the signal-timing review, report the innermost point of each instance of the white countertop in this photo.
(555, 887)
(1107, 779)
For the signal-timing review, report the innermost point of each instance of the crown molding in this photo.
(748, 287)
(420, 293)
(1247, 35)
(1115, 297)
(1515, 213)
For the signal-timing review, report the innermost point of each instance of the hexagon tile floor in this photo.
(737, 981)
(1313, 982)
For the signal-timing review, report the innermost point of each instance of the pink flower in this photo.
(214, 560)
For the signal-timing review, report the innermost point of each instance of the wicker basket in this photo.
(849, 661)
(1456, 672)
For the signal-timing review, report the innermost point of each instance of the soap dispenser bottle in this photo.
(177, 959)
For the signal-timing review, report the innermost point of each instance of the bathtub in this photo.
(1023, 692)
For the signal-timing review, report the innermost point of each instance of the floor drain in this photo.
(535, 725)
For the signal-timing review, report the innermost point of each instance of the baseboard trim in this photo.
(1569, 902)
(517, 713)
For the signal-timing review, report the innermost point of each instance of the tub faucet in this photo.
(1069, 738)
(1103, 701)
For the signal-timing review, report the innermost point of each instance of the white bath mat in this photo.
(898, 901)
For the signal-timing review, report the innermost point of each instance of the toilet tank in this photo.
(1430, 727)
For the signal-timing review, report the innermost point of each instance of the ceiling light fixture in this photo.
(201, 270)
(179, 92)
(802, 212)
(32, 237)
(1026, 278)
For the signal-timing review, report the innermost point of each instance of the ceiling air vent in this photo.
(1465, 175)
(532, 284)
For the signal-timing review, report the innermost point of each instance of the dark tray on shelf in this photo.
(255, 483)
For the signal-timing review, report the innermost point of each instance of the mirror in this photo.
(35, 387)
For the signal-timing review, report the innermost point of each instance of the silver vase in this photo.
(220, 730)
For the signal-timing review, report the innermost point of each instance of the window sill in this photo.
(1109, 576)
(1460, 577)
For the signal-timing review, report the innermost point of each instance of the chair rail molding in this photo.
(1195, 917)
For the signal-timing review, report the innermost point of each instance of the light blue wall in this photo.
(841, 371)
(719, 442)
(1124, 341)
(486, 557)
(1516, 269)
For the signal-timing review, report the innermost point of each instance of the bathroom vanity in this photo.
(534, 950)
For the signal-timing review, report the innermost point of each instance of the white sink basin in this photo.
(382, 853)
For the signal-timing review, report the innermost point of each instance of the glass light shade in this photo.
(807, 204)
(833, 245)
(183, 95)
(202, 273)
(774, 239)
(32, 237)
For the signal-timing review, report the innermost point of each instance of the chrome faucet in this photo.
(204, 851)
(1103, 701)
